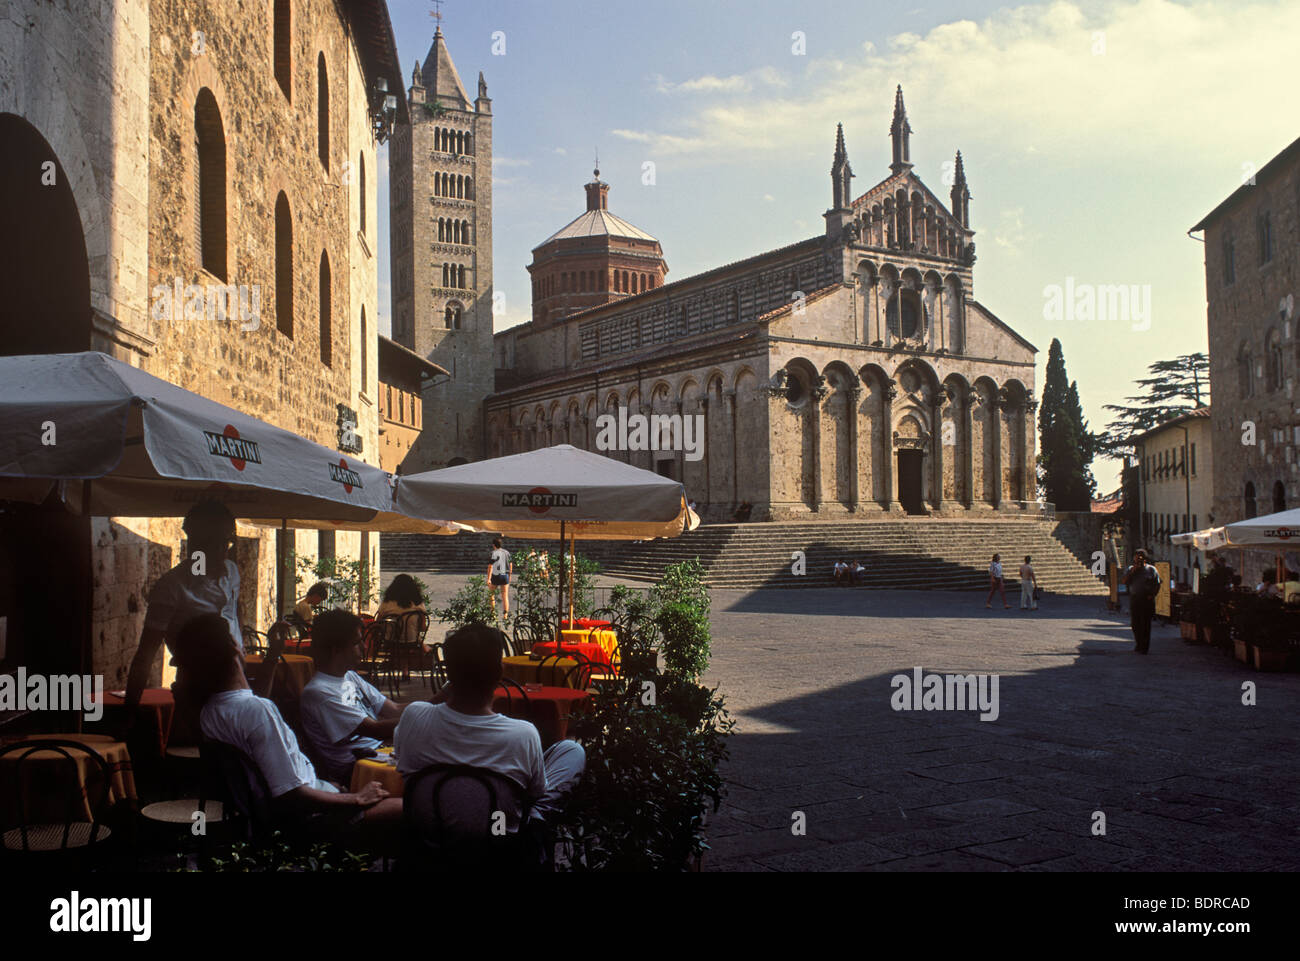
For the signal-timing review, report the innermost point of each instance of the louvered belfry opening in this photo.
(326, 325)
(210, 184)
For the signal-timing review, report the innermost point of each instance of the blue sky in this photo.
(1093, 135)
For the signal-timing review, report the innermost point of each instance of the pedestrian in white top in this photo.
(343, 715)
(459, 726)
(1028, 586)
(995, 583)
(499, 571)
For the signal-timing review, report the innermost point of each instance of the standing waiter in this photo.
(1143, 582)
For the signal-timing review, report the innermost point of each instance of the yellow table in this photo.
(367, 770)
(522, 669)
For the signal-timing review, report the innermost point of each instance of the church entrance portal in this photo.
(909, 481)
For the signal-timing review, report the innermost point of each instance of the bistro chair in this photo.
(231, 777)
(406, 644)
(449, 812)
(255, 641)
(589, 674)
(76, 795)
(437, 666)
(376, 643)
(510, 687)
(554, 660)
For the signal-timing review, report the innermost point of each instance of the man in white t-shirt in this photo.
(232, 714)
(498, 573)
(460, 727)
(206, 581)
(343, 715)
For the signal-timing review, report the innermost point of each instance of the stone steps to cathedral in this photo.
(899, 554)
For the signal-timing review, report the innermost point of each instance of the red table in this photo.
(583, 624)
(549, 708)
(588, 649)
(156, 701)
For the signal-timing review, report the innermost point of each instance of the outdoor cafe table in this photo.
(291, 674)
(590, 651)
(157, 703)
(377, 769)
(549, 708)
(523, 669)
(50, 777)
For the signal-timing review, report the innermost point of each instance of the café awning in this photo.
(531, 494)
(149, 448)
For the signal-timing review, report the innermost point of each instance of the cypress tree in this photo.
(1065, 445)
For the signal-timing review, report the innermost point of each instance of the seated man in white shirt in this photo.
(465, 730)
(343, 713)
(234, 715)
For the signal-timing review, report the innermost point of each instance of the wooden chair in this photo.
(255, 641)
(29, 836)
(510, 687)
(376, 638)
(437, 666)
(406, 651)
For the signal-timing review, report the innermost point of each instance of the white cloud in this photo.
(561, 151)
(639, 136)
(1029, 72)
(736, 83)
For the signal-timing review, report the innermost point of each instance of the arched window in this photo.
(326, 326)
(1279, 497)
(733, 315)
(1273, 358)
(280, 45)
(452, 316)
(362, 166)
(469, 143)
(1250, 499)
(365, 344)
(445, 281)
(469, 188)
(1245, 372)
(283, 266)
(210, 203)
(461, 279)
(909, 302)
(322, 113)
(464, 232)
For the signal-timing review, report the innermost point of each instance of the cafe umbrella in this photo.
(110, 440)
(554, 492)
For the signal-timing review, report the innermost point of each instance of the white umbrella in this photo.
(1280, 529)
(1209, 539)
(147, 448)
(553, 492)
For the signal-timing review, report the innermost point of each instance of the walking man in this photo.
(499, 571)
(1028, 586)
(995, 583)
(1143, 582)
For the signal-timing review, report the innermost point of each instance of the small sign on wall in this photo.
(349, 439)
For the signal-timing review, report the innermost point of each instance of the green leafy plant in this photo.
(425, 596)
(681, 603)
(277, 854)
(536, 584)
(654, 738)
(472, 604)
(351, 582)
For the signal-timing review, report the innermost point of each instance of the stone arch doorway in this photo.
(44, 270)
(911, 472)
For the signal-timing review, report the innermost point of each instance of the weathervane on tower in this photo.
(436, 13)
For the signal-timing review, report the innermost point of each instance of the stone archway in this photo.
(44, 269)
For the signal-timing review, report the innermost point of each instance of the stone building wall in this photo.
(1254, 344)
(113, 88)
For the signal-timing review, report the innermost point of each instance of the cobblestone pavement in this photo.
(1188, 778)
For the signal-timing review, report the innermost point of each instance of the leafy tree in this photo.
(1173, 387)
(1066, 446)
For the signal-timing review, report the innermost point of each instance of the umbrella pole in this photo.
(281, 549)
(559, 605)
(573, 559)
(88, 619)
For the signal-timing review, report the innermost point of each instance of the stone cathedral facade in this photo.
(851, 374)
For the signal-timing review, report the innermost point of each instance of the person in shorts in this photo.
(499, 571)
(996, 585)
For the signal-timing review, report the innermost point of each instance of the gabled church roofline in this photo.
(1000, 323)
(907, 176)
